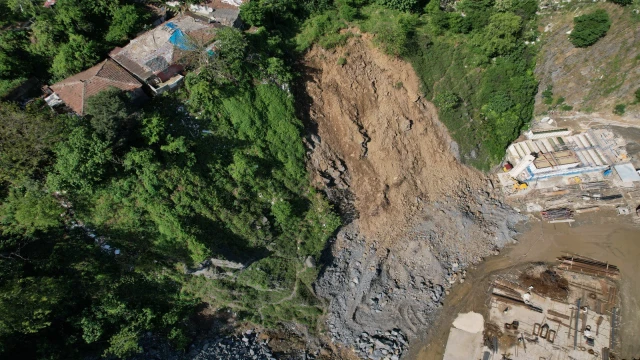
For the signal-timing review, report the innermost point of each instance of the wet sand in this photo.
(603, 236)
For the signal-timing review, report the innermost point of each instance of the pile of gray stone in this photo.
(244, 347)
(381, 346)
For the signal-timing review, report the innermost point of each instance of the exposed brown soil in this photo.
(396, 154)
(547, 283)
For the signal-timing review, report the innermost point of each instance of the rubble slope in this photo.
(417, 217)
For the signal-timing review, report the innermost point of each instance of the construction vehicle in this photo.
(519, 185)
(575, 180)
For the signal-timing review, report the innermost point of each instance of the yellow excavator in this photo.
(519, 185)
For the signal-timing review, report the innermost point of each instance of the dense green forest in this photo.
(53, 43)
(100, 216)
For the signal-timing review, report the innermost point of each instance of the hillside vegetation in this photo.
(100, 216)
(594, 78)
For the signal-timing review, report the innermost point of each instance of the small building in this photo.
(627, 173)
(541, 134)
(225, 12)
(74, 91)
(158, 57)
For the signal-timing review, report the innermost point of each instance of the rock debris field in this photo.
(244, 347)
(416, 217)
(378, 347)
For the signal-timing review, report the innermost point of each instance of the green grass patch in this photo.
(325, 29)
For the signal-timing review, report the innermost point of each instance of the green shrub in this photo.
(334, 40)
(324, 28)
(589, 28)
(547, 95)
(638, 95)
(342, 61)
(620, 109)
(446, 100)
(566, 107)
(394, 31)
(348, 12)
(459, 24)
(402, 5)
(439, 21)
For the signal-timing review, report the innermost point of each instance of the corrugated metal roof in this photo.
(627, 172)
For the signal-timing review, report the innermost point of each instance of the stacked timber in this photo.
(594, 185)
(587, 209)
(589, 266)
(557, 214)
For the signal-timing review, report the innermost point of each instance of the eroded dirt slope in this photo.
(417, 217)
(369, 112)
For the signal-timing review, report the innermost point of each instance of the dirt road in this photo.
(602, 236)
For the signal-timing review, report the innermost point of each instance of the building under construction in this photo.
(551, 153)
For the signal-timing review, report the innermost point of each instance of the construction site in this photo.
(558, 172)
(565, 311)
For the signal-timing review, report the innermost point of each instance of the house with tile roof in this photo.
(74, 91)
(158, 57)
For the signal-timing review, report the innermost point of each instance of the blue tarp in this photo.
(179, 39)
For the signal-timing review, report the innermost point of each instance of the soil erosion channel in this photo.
(604, 237)
(415, 216)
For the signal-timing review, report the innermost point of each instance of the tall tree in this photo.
(108, 110)
(501, 35)
(26, 141)
(126, 21)
(81, 162)
(78, 54)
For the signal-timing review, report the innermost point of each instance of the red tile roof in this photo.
(75, 90)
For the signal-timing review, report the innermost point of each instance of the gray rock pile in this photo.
(382, 346)
(245, 347)
(402, 286)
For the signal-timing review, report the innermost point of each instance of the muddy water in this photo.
(603, 236)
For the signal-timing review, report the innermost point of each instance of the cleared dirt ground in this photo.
(605, 237)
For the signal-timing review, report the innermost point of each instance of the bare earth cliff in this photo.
(417, 217)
